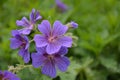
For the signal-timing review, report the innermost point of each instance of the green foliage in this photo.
(97, 54)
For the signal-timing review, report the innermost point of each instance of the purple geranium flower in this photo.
(50, 62)
(6, 75)
(61, 6)
(28, 25)
(52, 38)
(22, 43)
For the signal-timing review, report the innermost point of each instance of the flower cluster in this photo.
(51, 44)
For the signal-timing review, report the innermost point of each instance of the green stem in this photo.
(18, 68)
(31, 41)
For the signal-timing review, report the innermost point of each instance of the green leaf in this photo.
(110, 63)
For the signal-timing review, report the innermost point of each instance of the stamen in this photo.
(50, 57)
(52, 39)
(23, 44)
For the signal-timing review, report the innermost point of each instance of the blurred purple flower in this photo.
(52, 38)
(73, 24)
(28, 25)
(61, 6)
(50, 62)
(22, 43)
(6, 75)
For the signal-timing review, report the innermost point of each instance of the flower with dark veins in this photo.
(28, 25)
(6, 75)
(50, 62)
(52, 38)
(21, 42)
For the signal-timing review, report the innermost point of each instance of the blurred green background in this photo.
(96, 55)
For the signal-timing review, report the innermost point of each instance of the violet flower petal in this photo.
(53, 48)
(32, 15)
(15, 43)
(63, 51)
(15, 32)
(9, 76)
(27, 42)
(25, 55)
(49, 69)
(59, 28)
(40, 40)
(0, 72)
(45, 28)
(41, 50)
(24, 31)
(24, 22)
(65, 41)
(62, 63)
(38, 16)
(37, 60)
